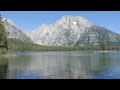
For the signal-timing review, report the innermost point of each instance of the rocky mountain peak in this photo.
(8, 22)
(14, 32)
(72, 30)
(74, 20)
(68, 30)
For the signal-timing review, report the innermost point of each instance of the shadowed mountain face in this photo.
(94, 36)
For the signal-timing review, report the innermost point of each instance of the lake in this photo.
(61, 65)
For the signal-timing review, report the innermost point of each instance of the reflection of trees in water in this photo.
(3, 68)
(3, 71)
(105, 61)
(58, 65)
(109, 61)
(18, 65)
(100, 62)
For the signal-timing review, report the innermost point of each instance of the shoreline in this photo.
(7, 55)
(94, 51)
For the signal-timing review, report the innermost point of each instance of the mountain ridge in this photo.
(71, 30)
(14, 32)
(67, 31)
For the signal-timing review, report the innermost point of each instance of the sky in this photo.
(30, 20)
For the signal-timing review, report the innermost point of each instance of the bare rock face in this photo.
(68, 31)
(72, 30)
(13, 32)
(65, 31)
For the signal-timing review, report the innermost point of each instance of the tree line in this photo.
(3, 38)
(16, 45)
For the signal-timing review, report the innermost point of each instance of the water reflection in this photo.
(113, 73)
(3, 67)
(62, 65)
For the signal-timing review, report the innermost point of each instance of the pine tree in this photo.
(103, 44)
(0, 18)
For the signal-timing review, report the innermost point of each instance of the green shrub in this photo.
(3, 51)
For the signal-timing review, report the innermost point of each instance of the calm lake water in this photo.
(61, 65)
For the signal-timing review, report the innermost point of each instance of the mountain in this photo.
(13, 32)
(94, 36)
(71, 31)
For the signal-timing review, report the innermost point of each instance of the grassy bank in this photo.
(6, 53)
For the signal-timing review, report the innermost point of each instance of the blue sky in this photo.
(29, 20)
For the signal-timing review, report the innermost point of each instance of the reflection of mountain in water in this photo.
(63, 65)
